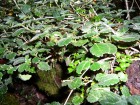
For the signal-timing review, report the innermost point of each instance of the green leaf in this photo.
(110, 98)
(123, 65)
(50, 43)
(80, 42)
(56, 34)
(24, 77)
(31, 70)
(19, 42)
(112, 49)
(95, 66)
(38, 12)
(23, 67)
(37, 36)
(3, 89)
(84, 65)
(53, 103)
(18, 60)
(2, 50)
(8, 68)
(107, 79)
(98, 18)
(4, 67)
(123, 29)
(26, 8)
(118, 69)
(35, 60)
(127, 38)
(134, 100)
(43, 66)
(122, 76)
(70, 70)
(125, 91)
(136, 26)
(87, 27)
(18, 32)
(38, 44)
(8, 81)
(98, 49)
(1, 75)
(10, 55)
(57, 15)
(27, 59)
(105, 30)
(11, 70)
(118, 55)
(64, 42)
(136, 19)
(104, 65)
(93, 33)
(77, 100)
(94, 95)
(76, 83)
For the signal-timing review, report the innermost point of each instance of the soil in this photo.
(27, 94)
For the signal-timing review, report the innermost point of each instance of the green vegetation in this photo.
(91, 37)
(49, 81)
(8, 99)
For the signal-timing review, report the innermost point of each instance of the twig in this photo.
(132, 5)
(137, 4)
(48, 57)
(127, 8)
(85, 48)
(38, 19)
(134, 49)
(136, 59)
(68, 97)
(18, 6)
(94, 10)
(28, 29)
(73, 89)
(113, 31)
(74, 10)
(105, 59)
(112, 64)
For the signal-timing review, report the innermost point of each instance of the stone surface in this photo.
(133, 83)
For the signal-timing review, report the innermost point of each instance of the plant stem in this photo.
(68, 96)
(38, 19)
(113, 31)
(73, 89)
(127, 8)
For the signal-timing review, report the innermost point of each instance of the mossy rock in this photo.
(9, 99)
(50, 81)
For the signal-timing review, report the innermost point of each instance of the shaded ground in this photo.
(25, 94)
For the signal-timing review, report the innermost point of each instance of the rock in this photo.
(50, 81)
(133, 82)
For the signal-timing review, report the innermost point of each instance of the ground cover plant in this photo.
(84, 45)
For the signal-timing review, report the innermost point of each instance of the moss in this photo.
(9, 99)
(50, 81)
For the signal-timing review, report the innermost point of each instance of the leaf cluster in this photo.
(89, 36)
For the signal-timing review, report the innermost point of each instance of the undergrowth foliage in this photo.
(91, 37)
